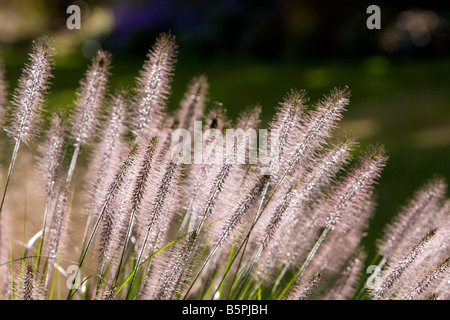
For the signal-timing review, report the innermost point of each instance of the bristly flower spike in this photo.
(193, 103)
(139, 191)
(317, 127)
(430, 279)
(29, 98)
(393, 274)
(29, 287)
(90, 98)
(355, 189)
(33, 84)
(52, 151)
(153, 84)
(321, 170)
(88, 107)
(158, 208)
(106, 153)
(109, 199)
(50, 163)
(412, 218)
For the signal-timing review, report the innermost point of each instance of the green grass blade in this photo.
(130, 276)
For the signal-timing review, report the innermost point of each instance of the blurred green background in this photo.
(255, 51)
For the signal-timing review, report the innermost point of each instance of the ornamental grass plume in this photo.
(28, 286)
(194, 204)
(90, 98)
(153, 85)
(28, 98)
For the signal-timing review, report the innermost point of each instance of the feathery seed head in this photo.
(143, 175)
(108, 151)
(90, 98)
(358, 185)
(430, 280)
(193, 103)
(287, 123)
(153, 84)
(415, 215)
(33, 84)
(52, 151)
(394, 273)
(57, 222)
(29, 287)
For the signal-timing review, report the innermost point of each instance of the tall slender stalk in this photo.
(157, 208)
(232, 224)
(138, 193)
(114, 187)
(28, 100)
(10, 170)
(51, 160)
(287, 227)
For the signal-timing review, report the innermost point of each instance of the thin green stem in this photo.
(138, 261)
(307, 261)
(44, 226)
(11, 167)
(127, 238)
(66, 187)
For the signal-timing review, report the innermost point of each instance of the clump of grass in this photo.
(288, 226)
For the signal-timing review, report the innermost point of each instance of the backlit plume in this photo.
(148, 198)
